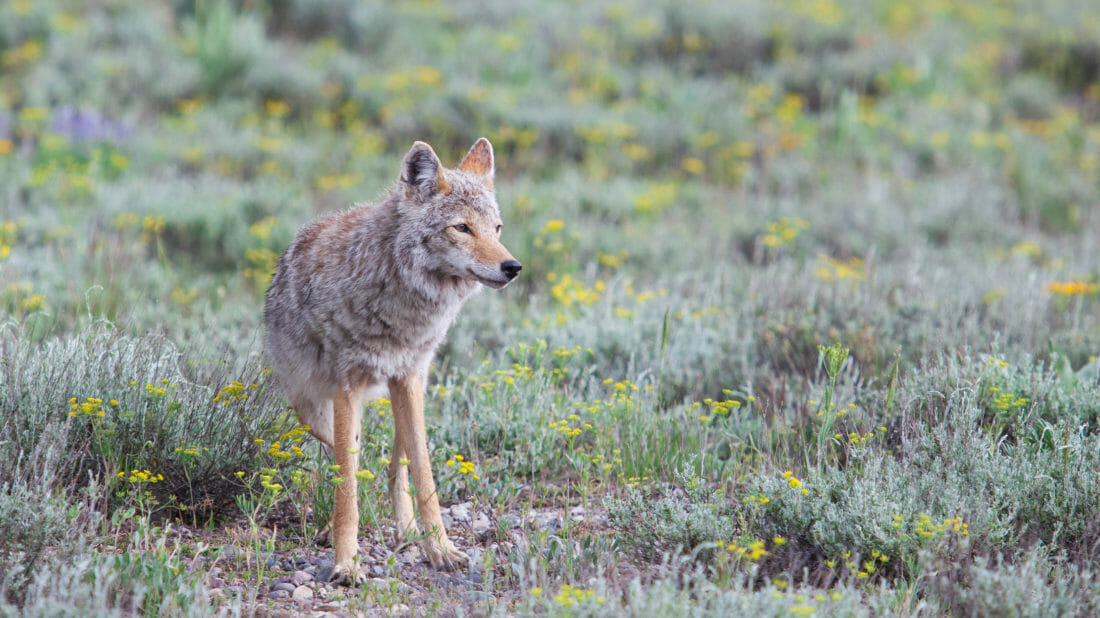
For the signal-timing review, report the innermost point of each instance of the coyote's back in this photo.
(361, 299)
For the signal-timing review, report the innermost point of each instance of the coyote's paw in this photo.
(346, 574)
(444, 554)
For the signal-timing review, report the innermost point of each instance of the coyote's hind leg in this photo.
(347, 423)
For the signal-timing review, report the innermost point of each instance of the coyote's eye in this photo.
(498, 228)
(465, 229)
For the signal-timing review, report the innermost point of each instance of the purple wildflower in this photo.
(88, 125)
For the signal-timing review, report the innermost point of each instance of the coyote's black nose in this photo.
(511, 268)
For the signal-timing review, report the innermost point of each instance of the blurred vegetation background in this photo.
(706, 197)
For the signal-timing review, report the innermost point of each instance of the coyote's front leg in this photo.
(347, 422)
(407, 398)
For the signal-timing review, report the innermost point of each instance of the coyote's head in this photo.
(450, 221)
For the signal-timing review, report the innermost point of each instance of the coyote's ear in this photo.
(422, 173)
(480, 159)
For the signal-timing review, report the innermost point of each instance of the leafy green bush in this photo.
(43, 518)
(129, 405)
(676, 518)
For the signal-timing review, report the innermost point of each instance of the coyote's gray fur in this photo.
(359, 303)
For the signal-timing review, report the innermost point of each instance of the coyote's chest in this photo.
(389, 335)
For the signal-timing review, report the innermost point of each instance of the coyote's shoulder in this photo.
(345, 291)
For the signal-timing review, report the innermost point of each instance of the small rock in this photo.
(234, 589)
(474, 553)
(461, 512)
(509, 521)
(477, 596)
(215, 593)
(577, 513)
(300, 577)
(399, 608)
(545, 520)
(284, 586)
(279, 594)
(450, 581)
(302, 593)
(395, 586)
(378, 570)
(481, 524)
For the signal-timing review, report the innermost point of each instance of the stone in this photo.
(300, 577)
(279, 594)
(481, 524)
(474, 553)
(477, 597)
(460, 513)
(545, 520)
(284, 586)
(302, 593)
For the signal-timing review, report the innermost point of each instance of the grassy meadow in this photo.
(808, 321)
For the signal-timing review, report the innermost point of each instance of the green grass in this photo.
(808, 320)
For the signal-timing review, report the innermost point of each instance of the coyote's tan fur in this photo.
(359, 303)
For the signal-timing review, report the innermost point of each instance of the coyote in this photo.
(359, 303)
